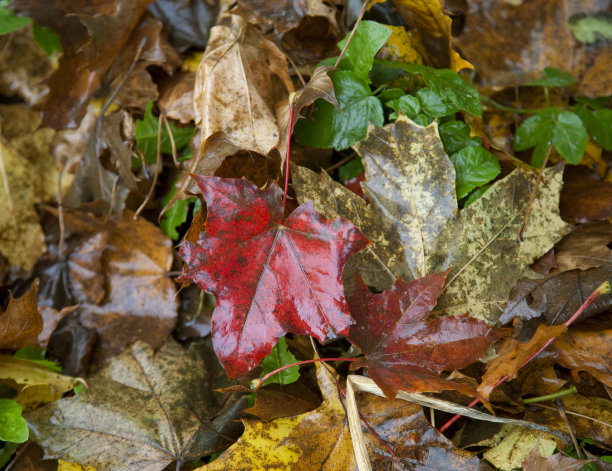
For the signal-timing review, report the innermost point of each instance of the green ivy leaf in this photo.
(474, 166)
(422, 120)
(359, 55)
(591, 29)
(37, 356)
(391, 94)
(553, 78)
(340, 129)
(351, 169)
(436, 105)
(278, 357)
(146, 135)
(9, 21)
(534, 129)
(594, 103)
(407, 104)
(475, 195)
(569, 136)
(451, 88)
(454, 135)
(12, 426)
(598, 123)
(46, 39)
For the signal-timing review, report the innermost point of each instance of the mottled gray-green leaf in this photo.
(482, 247)
(411, 183)
(140, 411)
(382, 261)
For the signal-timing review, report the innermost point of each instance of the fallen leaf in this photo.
(402, 46)
(410, 180)
(482, 247)
(516, 446)
(403, 350)
(557, 297)
(31, 459)
(238, 83)
(382, 261)
(28, 374)
(585, 196)
(21, 322)
(512, 354)
(587, 246)
(142, 411)
(587, 347)
(534, 461)
(263, 271)
(538, 377)
(593, 422)
(176, 97)
(276, 401)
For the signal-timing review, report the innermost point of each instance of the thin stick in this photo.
(519, 236)
(602, 289)
(561, 411)
(157, 170)
(288, 156)
(342, 162)
(606, 424)
(350, 38)
(172, 144)
(260, 382)
(60, 211)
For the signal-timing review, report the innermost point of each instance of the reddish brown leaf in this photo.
(21, 323)
(585, 197)
(284, 400)
(586, 247)
(512, 354)
(269, 277)
(587, 347)
(405, 351)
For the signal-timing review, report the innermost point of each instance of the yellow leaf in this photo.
(28, 374)
(68, 466)
(401, 46)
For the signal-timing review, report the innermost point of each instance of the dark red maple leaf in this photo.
(269, 277)
(403, 350)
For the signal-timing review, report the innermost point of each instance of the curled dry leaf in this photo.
(269, 276)
(142, 411)
(403, 350)
(241, 78)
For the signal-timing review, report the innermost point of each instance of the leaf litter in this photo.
(410, 278)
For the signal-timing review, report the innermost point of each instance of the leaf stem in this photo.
(260, 382)
(510, 109)
(602, 289)
(548, 397)
(288, 156)
(350, 38)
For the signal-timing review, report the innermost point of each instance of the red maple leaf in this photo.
(403, 350)
(269, 277)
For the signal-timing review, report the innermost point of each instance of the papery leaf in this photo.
(142, 411)
(269, 276)
(403, 350)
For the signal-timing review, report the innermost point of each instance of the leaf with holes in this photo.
(403, 350)
(269, 276)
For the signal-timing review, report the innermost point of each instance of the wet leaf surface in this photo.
(266, 274)
(139, 411)
(536, 462)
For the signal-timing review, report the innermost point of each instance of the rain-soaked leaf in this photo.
(269, 276)
(534, 461)
(142, 411)
(553, 78)
(9, 21)
(275, 401)
(410, 181)
(382, 261)
(403, 350)
(475, 166)
(241, 78)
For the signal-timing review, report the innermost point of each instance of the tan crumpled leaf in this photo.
(585, 247)
(241, 78)
(28, 374)
(142, 411)
(482, 247)
(516, 445)
(410, 181)
(535, 461)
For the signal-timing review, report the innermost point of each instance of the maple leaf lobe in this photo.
(269, 277)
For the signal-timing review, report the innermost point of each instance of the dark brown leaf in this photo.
(287, 400)
(585, 197)
(21, 323)
(587, 246)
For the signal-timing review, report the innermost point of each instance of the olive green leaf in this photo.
(382, 261)
(482, 247)
(411, 183)
(143, 411)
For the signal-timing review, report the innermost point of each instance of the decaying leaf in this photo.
(275, 401)
(382, 261)
(403, 350)
(28, 374)
(269, 276)
(142, 411)
(238, 83)
(585, 197)
(410, 181)
(516, 445)
(534, 461)
(557, 297)
(587, 246)
(482, 247)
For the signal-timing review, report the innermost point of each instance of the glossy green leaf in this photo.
(407, 104)
(435, 104)
(553, 78)
(474, 166)
(9, 21)
(12, 426)
(391, 94)
(359, 55)
(450, 87)
(534, 129)
(569, 136)
(341, 128)
(475, 195)
(598, 123)
(422, 120)
(540, 150)
(454, 135)
(46, 39)
(146, 135)
(594, 103)
(176, 215)
(351, 169)
(278, 357)
(37, 356)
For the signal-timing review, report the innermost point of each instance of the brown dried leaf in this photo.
(176, 97)
(585, 196)
(288, 400)
(21, 323)
(536, 462)
(238, 83)
(586, 247)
